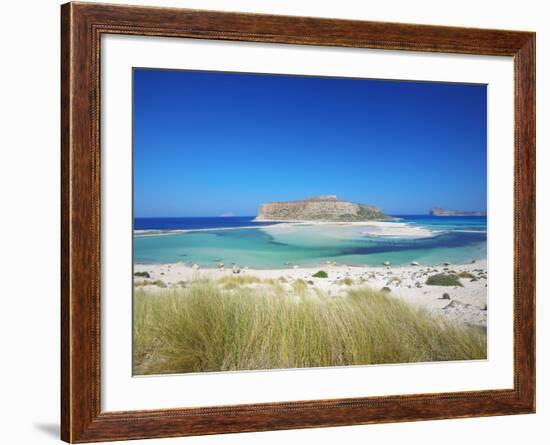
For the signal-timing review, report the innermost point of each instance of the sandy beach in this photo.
(466, 304)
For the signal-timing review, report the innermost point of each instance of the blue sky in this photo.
(210, 143)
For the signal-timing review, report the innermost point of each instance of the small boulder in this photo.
(236, 269)
(445, 296)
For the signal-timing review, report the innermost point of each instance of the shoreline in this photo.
(466, 304)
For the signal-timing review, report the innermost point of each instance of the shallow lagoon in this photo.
(436, 240)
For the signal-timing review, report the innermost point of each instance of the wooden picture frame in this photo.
(82, 25)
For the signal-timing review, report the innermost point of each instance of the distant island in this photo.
(319, 208)
(437, 211)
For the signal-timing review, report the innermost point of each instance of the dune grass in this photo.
(234, 281)
(347, 281)
(207, 327)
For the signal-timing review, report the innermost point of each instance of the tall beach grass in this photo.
(245, 324)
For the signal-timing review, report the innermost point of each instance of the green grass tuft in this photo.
(442, 279)
(466, 274)
(320, 274)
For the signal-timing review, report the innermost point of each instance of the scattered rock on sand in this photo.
(236, 269)
(196, 266)
(445, 296)
(414, 263)
(387, 263)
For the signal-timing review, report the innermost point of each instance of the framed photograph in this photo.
(275, 222)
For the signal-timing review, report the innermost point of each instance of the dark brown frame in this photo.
(82, 25)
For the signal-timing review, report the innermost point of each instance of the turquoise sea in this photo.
(239, 240)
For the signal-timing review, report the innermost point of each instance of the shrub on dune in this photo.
(442, 279)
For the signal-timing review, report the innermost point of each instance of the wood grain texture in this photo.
(81, 28)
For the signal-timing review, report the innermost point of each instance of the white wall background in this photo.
(29, 243)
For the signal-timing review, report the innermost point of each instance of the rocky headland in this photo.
(319, 208)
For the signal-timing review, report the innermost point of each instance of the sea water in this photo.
(241, 241)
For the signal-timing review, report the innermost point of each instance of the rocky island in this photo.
(319, 208)
(438, 211)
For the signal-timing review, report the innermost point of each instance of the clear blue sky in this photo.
(209, 143)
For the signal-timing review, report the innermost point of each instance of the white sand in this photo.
(371, 228)
(466, 304)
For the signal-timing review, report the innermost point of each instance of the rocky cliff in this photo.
(438, 211)
(318, 208)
